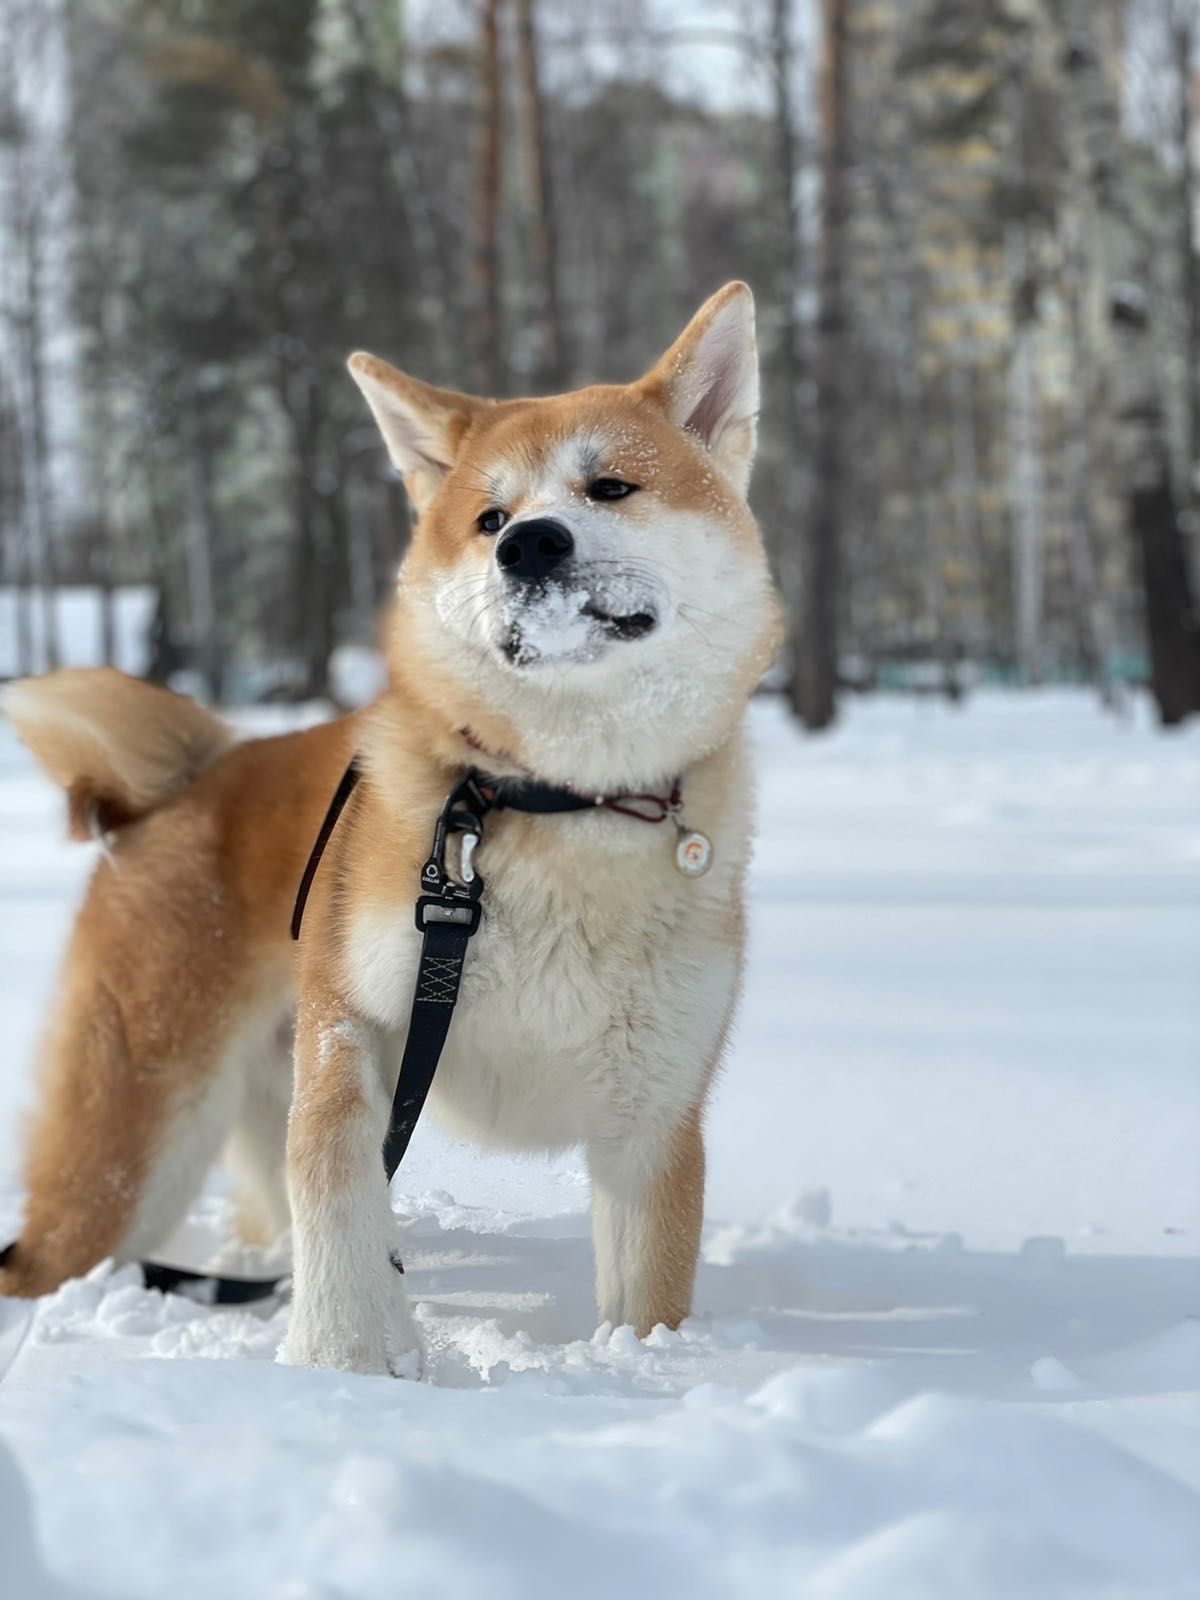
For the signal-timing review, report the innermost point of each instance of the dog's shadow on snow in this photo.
(937, 1311)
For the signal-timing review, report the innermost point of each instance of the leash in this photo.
(447, 914)
(336, 806)
(206, 1288)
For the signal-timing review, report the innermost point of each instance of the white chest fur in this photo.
(596, 992)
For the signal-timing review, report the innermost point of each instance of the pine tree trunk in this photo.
(202, 540)
(785, 400)
(552, 364)
(1185, 46)
(1095, 623)
(787, 201)
(815, 664)
(489, 361)
(1172, 622)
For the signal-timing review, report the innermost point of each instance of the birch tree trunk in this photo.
(1141, 448)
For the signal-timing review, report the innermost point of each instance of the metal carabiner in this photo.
(469, 845)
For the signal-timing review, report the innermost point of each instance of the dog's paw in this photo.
(24, 1277)
(410, 1365)
(366, 1357)
(372, 1333)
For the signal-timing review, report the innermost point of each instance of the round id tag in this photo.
(693, 854)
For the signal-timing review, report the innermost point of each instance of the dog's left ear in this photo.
(708, 381)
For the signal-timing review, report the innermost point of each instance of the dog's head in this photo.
(588, 561)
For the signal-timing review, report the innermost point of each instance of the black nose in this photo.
(530, 551)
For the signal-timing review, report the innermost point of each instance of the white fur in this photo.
(594, 995)
(256, 1153)
(350, 1310)
(608, 714)
(190, 1143)
(621, 1179)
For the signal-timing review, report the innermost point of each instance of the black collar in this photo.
(543, 799)
(527, 793)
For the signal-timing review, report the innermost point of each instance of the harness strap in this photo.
(336, 806)
(439, 973)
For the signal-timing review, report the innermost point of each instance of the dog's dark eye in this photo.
(492, 521)
(609, 489)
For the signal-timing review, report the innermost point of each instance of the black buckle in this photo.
(445, 901)
(454, 907)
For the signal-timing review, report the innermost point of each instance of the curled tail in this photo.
(117, 746)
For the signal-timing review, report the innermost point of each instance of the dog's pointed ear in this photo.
(421, 426)
(708, 381)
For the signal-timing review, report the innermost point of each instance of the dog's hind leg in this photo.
(256, 1154)
(118, 1145)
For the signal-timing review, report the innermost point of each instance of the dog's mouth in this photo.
(567, 623)
(632, 625)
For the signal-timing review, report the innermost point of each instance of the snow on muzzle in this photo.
(580, 610)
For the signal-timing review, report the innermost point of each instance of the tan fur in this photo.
(180, 962)
(116, 745)
(677, 1212)
(181, 938)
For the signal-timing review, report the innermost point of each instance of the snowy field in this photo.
(946, 1344)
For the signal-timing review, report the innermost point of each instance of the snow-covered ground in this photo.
(946, 1344)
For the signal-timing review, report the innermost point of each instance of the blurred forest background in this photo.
(970, 225)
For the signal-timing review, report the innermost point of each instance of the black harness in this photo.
(448, 913)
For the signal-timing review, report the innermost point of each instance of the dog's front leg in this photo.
(647, 1211)
(349, 1308)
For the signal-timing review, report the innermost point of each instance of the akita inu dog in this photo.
(586, 603)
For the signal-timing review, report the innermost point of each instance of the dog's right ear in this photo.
(707, 382)
(421, 426)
